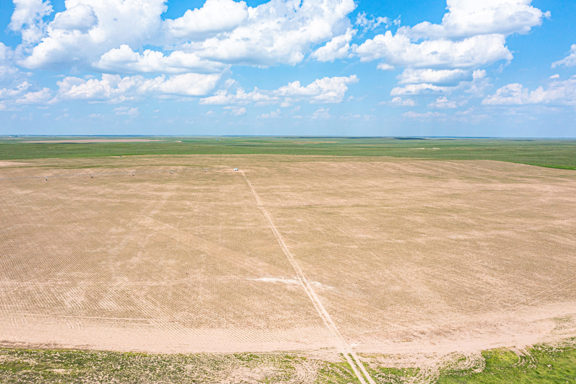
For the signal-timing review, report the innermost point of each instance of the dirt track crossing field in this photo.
(173, 254)
(342, 346)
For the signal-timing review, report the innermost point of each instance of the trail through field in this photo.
(344, 348)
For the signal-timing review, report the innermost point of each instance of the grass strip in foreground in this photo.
(75, 366)
(539, 365)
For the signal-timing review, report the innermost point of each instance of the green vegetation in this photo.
(67, 366)
(540, 365)
(546, 153)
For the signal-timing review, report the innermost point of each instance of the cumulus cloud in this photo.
(441, 76)
(398, 50)
(124, 59)
(418, 82)
(441, 58)
(80, 18)
(28, 18)
(279, 31)
(113, 35)
(402, 102)
(473, 17)
(213, 17)
(11, 93)
(568, 61)
(23, 94)
(36, 97)
(370, 23)
(444, 103)
(223, 97)
(116, 88)
(88, 28)
(325, 90)
(558, 92)
(337, 48)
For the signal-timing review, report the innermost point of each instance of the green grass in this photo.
(69, 366)
(541, 365)
(547, 153)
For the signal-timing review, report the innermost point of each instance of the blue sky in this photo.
(288, 67)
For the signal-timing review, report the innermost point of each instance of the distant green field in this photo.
(545, 153)
(541, 365)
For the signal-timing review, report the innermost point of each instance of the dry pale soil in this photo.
(183, 254)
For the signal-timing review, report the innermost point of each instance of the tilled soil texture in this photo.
(174, 254)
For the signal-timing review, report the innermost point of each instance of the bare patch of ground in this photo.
(408, 257)
(11, 163)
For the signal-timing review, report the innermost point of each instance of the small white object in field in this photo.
(235, 169)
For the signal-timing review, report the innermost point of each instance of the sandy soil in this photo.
(173, 254)
(11, 164)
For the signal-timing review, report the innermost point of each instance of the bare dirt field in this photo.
(182, 254)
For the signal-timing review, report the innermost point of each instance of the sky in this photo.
(491, 68)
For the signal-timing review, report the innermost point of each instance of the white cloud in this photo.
(116, 88)
(78, 17)
(7, 69)
(279, 31)
(37, 97)
(441, 76)
(568, 61)
(448, 57)
(423, 115)
(270, 115)
(189, 84)
(213, 17)
(115, 36)
(558, 92)
(473, 17)
(385, 67)
(236, 111)
(124, 59)
(12, 93)
(27, 18)
(21, 94)
(88, 28)
(417, 89)
(321, 114)
(325, 90)
(127, 111)
(440, 82)
(370, 23)
(223, 97)
(402, 102)
(471, 52)
(444, 103)
(337, 48)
